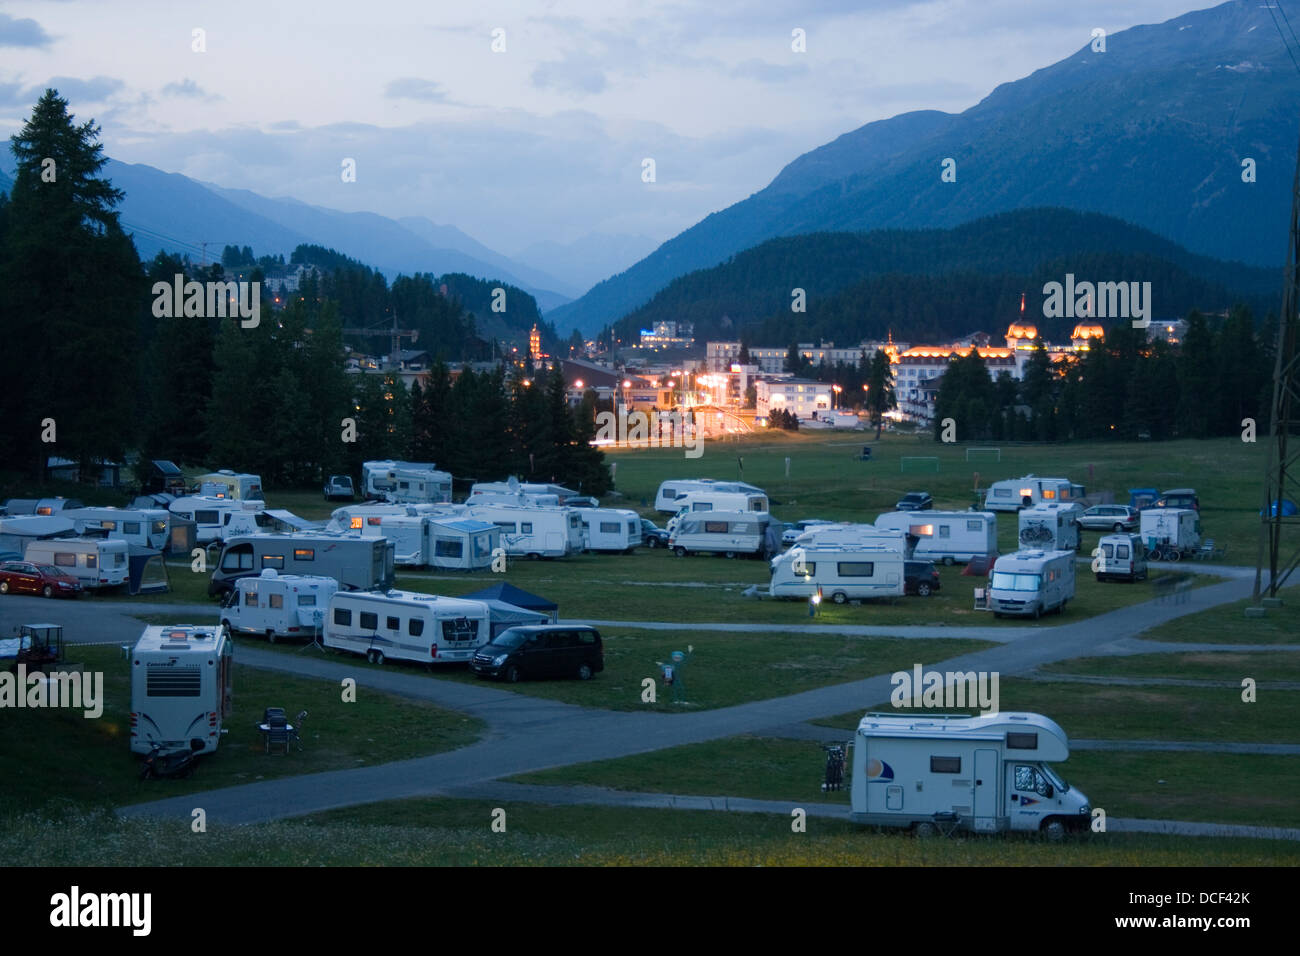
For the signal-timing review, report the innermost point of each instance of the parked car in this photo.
(653, 535)
(914, 501)
(920, 578)
(339, 488)
(792, 531)
(1109, 518)
(23, 577)
(541, 650)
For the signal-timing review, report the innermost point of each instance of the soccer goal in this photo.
(913, 463)
(983, 454)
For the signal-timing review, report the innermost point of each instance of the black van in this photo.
(541, 650)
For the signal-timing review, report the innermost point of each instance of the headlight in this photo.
(499, 660)
(65, 584)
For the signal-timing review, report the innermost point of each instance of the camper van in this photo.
(180, 688)
(406, 625)
(670, 491)
(1120, 557)
(1052, 525)
(410, 482)
(95, 562)
(610, 529)
(209, 514)
(533, 532)
(985, 774)
(1170, 533)
(729, 533)
(1031, 583)
(947, 536)
(1016, 493)
(278, 605)
(838, 572)
(353, 562)
(227, 484)
(146, 528)
(714, 500)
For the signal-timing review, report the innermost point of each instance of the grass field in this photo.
(1199, 665)
(1229, 624)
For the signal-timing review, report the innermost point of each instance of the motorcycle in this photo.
(171, 763)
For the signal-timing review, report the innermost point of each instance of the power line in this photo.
(1278, 26)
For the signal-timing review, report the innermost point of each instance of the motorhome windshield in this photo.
(1057, 781)
(1007, 581)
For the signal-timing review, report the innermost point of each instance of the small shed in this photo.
(518, 597)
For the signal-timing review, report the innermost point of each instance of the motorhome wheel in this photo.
(584, 672)
(839, 597)
(1054, 830)
(925, 830)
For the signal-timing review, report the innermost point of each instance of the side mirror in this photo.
(1049, 792)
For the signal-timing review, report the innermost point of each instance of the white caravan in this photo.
(947, 536)
(729, 533)
(405, 481)
(95, 562)
(145, 527)
(671, 490)
(1120, 557)
(533, 532)
(824, 535)
(513, 486)
(1031, 583)
(210, 514)
(352, 561)
(228, 484)
(278, 605)
(180, 688)
(520, 499)
(838, 572)
(610, 529)
(406, 625)
(986, 774)
(371, 514)
(1016, 493)
(1052, 526)
(1170, 531)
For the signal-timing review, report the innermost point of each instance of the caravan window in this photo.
(119, 559)
(856, 569)
(945, 531)
(448, 548)
(525, 527)
(460, 629)
(112, 526)
(1121, 551)
(239, 558)
(974, 524)
(1001, 492)
(355, 523)
(809, 568)
(92, 560)
(702, 506)
(1048, 494)
(342, 617)
(275, 601)
(609, 527)
(306, 600)
(159, 527)
(1109, 551)
(250, 599)
(65, 560)
(393, 623)
(505, 526)
(945, 765)
(130, 527)
(368, 621)
(304, 554)
(273, 561)
(415, 626)
(715, 527)
(669, 494)
(1022, 741)
(206, 517)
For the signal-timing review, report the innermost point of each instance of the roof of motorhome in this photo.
(957, 726)
(1034, 557)
(940, 514)
(463, 524)
(111, 543)
(298, 580)
(413, 599)
(175, 637)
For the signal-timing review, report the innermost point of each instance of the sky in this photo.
(520, 122)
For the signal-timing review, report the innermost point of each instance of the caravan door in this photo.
(986, 791)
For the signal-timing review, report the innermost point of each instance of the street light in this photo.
(835, 399)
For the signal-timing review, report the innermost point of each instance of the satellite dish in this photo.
(513, 485)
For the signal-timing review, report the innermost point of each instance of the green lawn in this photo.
(1228, 624)
(1202, 665)
(58, 758)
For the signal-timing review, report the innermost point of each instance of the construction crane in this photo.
(395, 336)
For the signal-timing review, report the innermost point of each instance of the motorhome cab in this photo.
(985, 774)
(1170, 532)
(353, 562)
(180, 688)
(1052, 525)
(1120, 557)
(1016, 493)
(210, 514)
(729, 533)
(278, 605)
(533, 532)
(147, 528)
(947, 536)
(406, 625)
(95, 562)
(839, 573)
(405, 481)
(1031, 583)
(670, 491)
(610, 529)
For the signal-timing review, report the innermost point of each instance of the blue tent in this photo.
(518, 597)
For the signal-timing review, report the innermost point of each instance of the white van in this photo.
(180, 688)
(278, 605)
(533, 532)
(209, 514)
(1120, 557)
(610, 529)
(147, 527)
(95, 562)
(671, 490)
(729, 533)
(1052, 526)
(1170, 533)
(1013, 494)
(406, 625)
(841, 573)
(1031, 583)
(947, 536)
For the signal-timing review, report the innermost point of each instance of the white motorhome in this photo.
(947, 536)
(278, 605)
(1031, 583)
(1016, 493)
(850, 534)
(520, 499)
(95, 562)
(714, 500)
(1170, 532)
(406, 625)
(210, 514)
(405, 481)
(838, 572)
(610, 529)
(353, 561)
(371, 514)
(670, 491)
(1120, 557)
(1052, 526)
(729, 533)
(985, 774)
(147, 528)
(513, 486)
(533, 532)
(228, 484)
(180, 687)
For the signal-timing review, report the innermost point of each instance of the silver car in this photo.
(1109, 518)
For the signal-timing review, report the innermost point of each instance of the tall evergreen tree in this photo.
(880, 390)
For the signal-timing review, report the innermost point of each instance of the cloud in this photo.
(766, 72)
(188, 88)
(26, 32)
(577, 73)
(97, 89)
(414, 88)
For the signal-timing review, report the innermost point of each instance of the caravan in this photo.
(410, 482)
(209, 514)
(670, 491)
(1031, 583)
(821, 535)
(146, 528)
(95, 562)
(947, 536)
(729, 533)
(406, 625)
(278, 605)
(715, 500)
(610, 529)
(180, 688)
(1053, 525)
(227, 484)
(986, 774)
(839, 572)
(513, 486)
(354, 562)
(1170, 533)
(1016, 493)
(534, 532)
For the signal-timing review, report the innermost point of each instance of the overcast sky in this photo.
(542, 140)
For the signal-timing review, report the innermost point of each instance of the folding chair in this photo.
(278, 734)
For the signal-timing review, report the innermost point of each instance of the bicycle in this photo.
(834, 767)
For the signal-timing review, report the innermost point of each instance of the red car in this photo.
(22, 577)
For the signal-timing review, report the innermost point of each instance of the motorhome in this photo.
(947, 536)
(147, 528)
(371, 514)
(95, 562)
(406, 625)
(209, 514)
(1120, 557)
(512, 486)
(520, 499)
(985, 774)
(610, 529)
(40, 507)
(838, 572)
(670, 491)
(278, 605)
(268, 521)
(228, 484)
(405, 481)
(1052, 525)
(1016, 493)
(714, 500)
(353, 561)
(533, 532)
(180, 687)
(729, 533)
(1171, 532)
(1031, 583)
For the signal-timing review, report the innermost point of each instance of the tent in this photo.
(146, 571)
(518, 597)
(182, 535)
(505, 615)
(462, 543)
